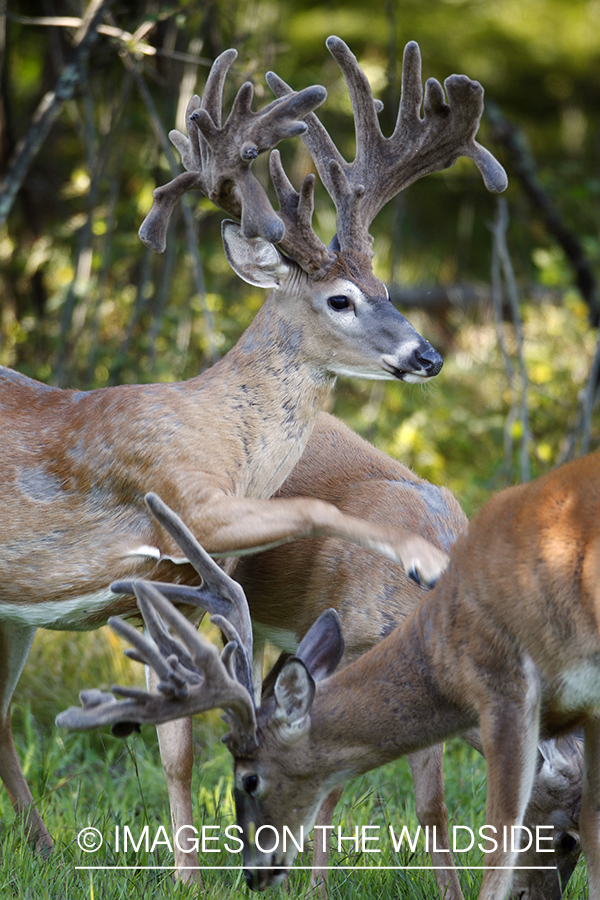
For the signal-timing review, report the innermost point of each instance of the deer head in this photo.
(279, 250)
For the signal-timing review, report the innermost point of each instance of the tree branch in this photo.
(525, 168)
(49, 107)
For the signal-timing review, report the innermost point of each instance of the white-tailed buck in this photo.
(76, 466)
(508, 641)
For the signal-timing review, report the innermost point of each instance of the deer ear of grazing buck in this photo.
(508, 640)
(76, 466)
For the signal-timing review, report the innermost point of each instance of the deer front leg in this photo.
(509, 725)
(589, 821)
(230, 526)
(427, 770)
(320, 873)
(15, 644)
(176, 753)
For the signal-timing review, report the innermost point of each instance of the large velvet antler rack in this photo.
(218, 157)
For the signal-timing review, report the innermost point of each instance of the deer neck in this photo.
(388, 703)
(271, 393)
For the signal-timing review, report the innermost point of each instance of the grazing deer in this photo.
(76, 465)
(508, 640)
(289, 586)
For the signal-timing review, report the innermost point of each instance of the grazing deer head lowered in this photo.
(76, 465)
(508, 640)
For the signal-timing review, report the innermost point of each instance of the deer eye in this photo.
(250, 783)
(568, 843)
(339, 303)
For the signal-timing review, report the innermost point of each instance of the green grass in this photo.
(93, 779)
(82, 780)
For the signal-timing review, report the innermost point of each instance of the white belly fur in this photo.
(61, 615)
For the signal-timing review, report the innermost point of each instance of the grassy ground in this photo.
(95, 780)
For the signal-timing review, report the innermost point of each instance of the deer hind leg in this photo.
(509, 724)
(589, 821)
(15, 644)
(427, 772)
(177, 757)
(320, 873)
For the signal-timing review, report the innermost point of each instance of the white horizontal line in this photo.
(330, 868)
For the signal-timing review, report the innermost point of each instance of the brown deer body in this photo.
(508, 640)
(76, 466)
(289, 586)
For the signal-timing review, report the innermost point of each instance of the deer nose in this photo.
(430, 360)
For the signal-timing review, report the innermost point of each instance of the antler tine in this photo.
(182, 691)
(221, 595)
(296, 210)
(333, 171)
(316, 137)
(218, 157)
(166, 645)
(148, 653)
(212, 99)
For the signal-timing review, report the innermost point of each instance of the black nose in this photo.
(249, 876)
(430, 360)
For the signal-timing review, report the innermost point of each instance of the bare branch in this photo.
(499, 231)
(50, 105)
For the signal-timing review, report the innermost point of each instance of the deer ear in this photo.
(322, 647)
(294, 693)
(255, 260)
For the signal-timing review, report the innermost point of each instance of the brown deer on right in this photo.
(508, 640)
(289, 586)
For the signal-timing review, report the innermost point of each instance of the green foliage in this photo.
(84, 305)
